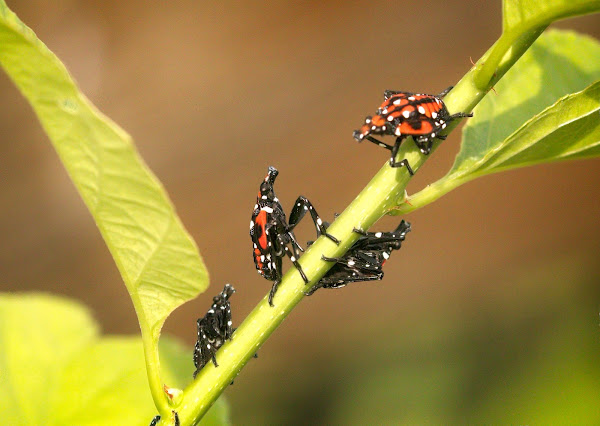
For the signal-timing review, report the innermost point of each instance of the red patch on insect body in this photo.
(378, 121)
(261, 222)
(415, 127)
(257, 255)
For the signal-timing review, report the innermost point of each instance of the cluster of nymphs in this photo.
(402, 114)
(271, 234)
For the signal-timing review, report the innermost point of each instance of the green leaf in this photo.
(158, 260)
(104, 384)
(521, 17)
(39, 337)
(559, 63)
(532, 13)
(56, 370)
(563, 126)
(568, 129)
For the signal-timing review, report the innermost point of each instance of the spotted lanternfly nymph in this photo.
(404, 114)
(271, 233)
(365, 259)
(155, 420)
(214, 329)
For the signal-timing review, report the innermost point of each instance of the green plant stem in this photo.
(470, 95)
(365, 210)
(383, 194)
(515, 36)
(422, 198)
(151, 356)
(507, 40)
(152, 359)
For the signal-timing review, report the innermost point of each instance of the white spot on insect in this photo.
(421, 110)
(262, 258)
(229, 323)
(406, 114)
(378, 234)
(367, 120)
(319, 221)
(251, 224)
(383, 128)
(397, 132)
(267, 209)
(433, 135)
(397, 102)
(390, 118)
(351, 263)
(292, 258)
(373, 127)
(386, 255)
(434, 115)
(255, 246)
(264, 197)
(367, 265)
(305, 207)
(412, 98)
(444, 126)
(207, 345)
(276, 199)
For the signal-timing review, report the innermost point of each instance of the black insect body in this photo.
(214, 329)
(156, 419)
(271, 233)
(365, 259)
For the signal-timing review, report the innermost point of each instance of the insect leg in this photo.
(379, 143)
(276, 262)
(459, 115)
(402, 163)
(389, 93)
(296, 264)
(301, 206)
(445, 92)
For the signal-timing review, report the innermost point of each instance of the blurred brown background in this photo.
(488, 314)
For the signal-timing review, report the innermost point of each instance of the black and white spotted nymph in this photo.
(214, 329)
(365, 259)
